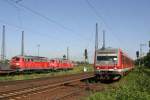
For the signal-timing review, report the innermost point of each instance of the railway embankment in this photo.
(34, 75)
(134, 86)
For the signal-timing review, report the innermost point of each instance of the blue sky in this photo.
(126, 23)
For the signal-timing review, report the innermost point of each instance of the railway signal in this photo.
(149, 46)
(137, 54)
(64, 57)
(85, 54)
(85, 59)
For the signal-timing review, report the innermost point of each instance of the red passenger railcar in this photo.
(111, 63)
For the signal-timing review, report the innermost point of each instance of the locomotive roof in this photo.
(112, 50)
(59, 59)
(31, 56)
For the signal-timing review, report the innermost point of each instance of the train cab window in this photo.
(106, 58)
(17, 59)
(43, 60)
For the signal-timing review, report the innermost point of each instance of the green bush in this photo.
(144, 60)
(136, 86)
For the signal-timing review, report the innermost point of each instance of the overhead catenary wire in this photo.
(24, 28)
(20, 27)
(18, 11)
(42, 15)
(103, 21)
(20, 20)
(97, 13)
(57, 23)
(19, 5)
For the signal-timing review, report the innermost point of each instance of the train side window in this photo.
(28, 59)
(52, 61)
(41, 60)
(36, 60)
(17, 59)
(32, 60)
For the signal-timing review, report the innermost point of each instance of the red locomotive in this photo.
(38, 63)
(111, 63)
(29, 63)
(61, 64)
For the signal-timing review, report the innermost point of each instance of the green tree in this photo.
(147, 60)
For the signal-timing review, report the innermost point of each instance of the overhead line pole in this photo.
(67, 53)
(38, 46)
(103, 47)
(22, 44)
(96, 37)
(96, 43)
(3, 45)
(141, 45)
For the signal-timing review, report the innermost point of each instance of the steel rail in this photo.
(11, 94)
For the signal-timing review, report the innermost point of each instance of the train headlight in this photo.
(115, 59)
(17, 64)
(97, 68)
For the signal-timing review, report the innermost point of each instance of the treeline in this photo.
(144, 61)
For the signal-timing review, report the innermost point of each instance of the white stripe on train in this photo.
(117, 70)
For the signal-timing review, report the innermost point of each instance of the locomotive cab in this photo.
(111, 63)
(106, 59)
(107, 62)
(15, 62)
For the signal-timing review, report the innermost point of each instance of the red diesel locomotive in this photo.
(21, 63)
(111, 63)
(61, 64)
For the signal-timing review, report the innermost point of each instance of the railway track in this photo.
(63, 92)
(42, 87)
(68, 94)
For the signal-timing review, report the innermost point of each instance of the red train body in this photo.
(38, 63)
(61, 64)
(110, 63)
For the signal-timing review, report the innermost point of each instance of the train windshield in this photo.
(107, 58)
(16, 58)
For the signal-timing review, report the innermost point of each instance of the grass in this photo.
(134, 86)
(77, 69)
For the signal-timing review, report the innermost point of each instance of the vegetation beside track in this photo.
(33, 75)
(134, 86)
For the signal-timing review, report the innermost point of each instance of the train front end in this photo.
(16, 62)
(107, 63)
